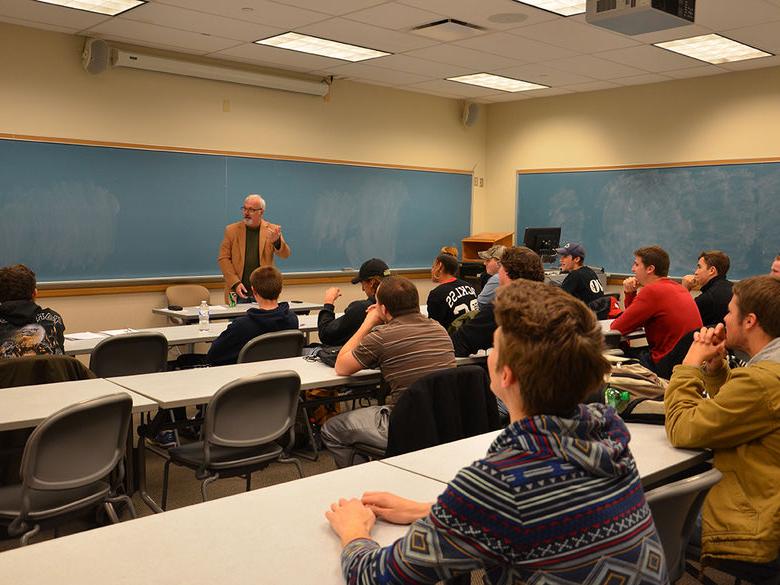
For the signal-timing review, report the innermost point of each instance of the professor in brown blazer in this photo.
(248, 244)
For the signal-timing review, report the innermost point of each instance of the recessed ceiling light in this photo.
(562, 7)
(109, 7)
(713, 49)
(317, 46)
(497, 82)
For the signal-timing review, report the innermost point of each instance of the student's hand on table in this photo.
(708, 348)
(630, 284)
(332, 294)
(689, 281)
(394, 508)
(350, 519)
(241, 290)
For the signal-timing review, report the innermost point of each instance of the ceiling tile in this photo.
(642, 79)
(49, 14)
(421, 66)
(761, 36)
(260, 11)
(701, 71)
(518, 48)
(363, 71)
(395, 16)
(454, 88)
(575, 36)
(672, 34)
(464, 57)
(595, 67)
(544, 74)
(592, 86)
(143, 33)
(334, 7)
(200, 22)
(725, 14)
(492, 14)
(649, 58)
(282, 58)
(364, 35)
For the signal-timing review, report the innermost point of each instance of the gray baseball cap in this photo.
(492, 252)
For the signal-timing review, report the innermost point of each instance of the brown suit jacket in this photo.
(231, 252)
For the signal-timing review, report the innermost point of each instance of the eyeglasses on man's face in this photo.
(245, 209)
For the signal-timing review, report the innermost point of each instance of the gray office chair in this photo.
(243, 421)
(133, 353)
(73, 461)
(675, 507)
(272, 346)
(186, 295)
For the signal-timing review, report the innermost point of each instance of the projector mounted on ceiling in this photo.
(635, 17)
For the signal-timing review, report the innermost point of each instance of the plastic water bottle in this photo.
(617, 399)
(203, 316)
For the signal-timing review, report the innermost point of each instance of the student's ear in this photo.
(750, 321)
(35, 292)
(508, 378)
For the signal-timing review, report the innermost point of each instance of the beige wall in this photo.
(730, 116)
(45, 92)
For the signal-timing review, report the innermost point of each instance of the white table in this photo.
(273, 535)
(655, 458)
(179, 334)
(190, 314)
(23, 407)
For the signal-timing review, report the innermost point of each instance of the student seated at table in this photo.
(654, 301)
(453, 297)
(404, 344)
(25, 327)
(710, 278)
(270, 316)
(740, 422)
(477, 333)
(336, 331)
(556, 499)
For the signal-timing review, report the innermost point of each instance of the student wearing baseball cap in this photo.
(581, 281)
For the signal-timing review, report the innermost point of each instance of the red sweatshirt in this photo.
(667, 312)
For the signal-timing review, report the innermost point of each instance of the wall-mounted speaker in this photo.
(470, 114)
(96, 56)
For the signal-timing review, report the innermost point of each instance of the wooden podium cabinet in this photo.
(482, 241)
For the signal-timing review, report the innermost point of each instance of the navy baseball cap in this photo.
(372, 267)
(571, 249)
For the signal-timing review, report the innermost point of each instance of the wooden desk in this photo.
(216, 312)
(23, 407)
(655, 458)
(181, 334)
(273, 535)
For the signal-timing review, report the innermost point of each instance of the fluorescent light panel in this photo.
(713, 49)
(497, 82)
(324, 47)
(108, 7)
(562, 7)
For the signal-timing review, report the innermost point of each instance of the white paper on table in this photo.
(118, 331)
(84, 335)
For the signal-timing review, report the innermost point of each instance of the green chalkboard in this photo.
(684, 209)
(83, 212)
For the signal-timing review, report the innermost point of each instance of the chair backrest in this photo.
(443, 406)
(187, 295)
(600, 306)
(272, 346)
(675, 507)
(77, 445)
(252, 411)
(133, 353)
(41, 369)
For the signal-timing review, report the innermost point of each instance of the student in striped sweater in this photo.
(557, 499)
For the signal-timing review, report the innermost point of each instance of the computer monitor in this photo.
(543, 241)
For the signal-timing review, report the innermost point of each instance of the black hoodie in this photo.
(27, 329)
(227, 346)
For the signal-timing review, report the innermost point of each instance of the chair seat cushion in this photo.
(191, 455)
(44, 504)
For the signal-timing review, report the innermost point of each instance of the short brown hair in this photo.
(552, 343)
(654, 256)
(522, 262)
(449, 263)
(17, 283)
(398, 295)
(266, 282)
(718, 260)
(759, 295)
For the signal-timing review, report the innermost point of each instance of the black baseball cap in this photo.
(372, 267)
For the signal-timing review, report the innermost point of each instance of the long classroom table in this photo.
(190, 314)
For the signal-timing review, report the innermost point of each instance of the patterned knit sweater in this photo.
(555, 501)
